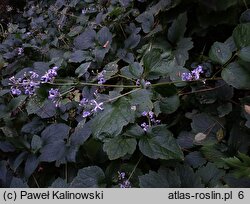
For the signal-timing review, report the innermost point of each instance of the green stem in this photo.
(66, 172)
(117, 97)
(122, 76)
(224, 65)
(175, 82)
(37, 184)
(245, 3)
(91, 84)
(133, 171)
(67, 91)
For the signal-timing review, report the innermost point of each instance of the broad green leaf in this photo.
(133, 71)
(75, 31)
(104, 37)
(240, 165)
(111, 120)
(55, 132)
(186, 139)
(110, 70)
(241, 35)
(81, 134)
(220, 53)
(181, 54)
(18, 183)
(18, 160)
(188, 178)
(119, 146)
(195, 159)
(205, 124)
(30, 165)
(178, 28)
(89, 177)
(53, 151)
(36, 143)
(132, 41)
(151, 60)
(170, 104)
(82, 69)
(210, 175)
(85, 40)
(245, 16)
(244, 53)
(79, 56)
(224, 109)
(142, 100)
(236, 76)
(59, 183)
(33, 127)
(147, 21)
(33, 105)
(159, 143)
(164, 178)
(213, 153)
(16, 102)
(47, 110)
(153, 180)
(134, 131)
(175, 75)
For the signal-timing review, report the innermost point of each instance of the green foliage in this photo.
(158, 90)
(240, 165)
(160, 144)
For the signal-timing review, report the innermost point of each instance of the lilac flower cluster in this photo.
(101, 79)
(194, 75)
(123, 181)
(54, 96)
(50, 75)
(31, 81)
(90, 106)
(152, 120)
(27, 85)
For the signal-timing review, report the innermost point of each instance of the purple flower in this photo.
(123, 182)
(145, 126)
(151, 117)
(147, 84)
(20, 51)
(96, 105)
(194, 75)
(28, 85)
(15, 91)
(101, 81)
(101, 77)
(53, 94)
(50, 75)
(138, 83)
(151, 114)
(84, 11)
(196, 72)
(84, 102)
(85, 114)
(186, 77)
(121, 175)
(33, 75)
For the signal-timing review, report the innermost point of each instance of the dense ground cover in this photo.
(125, 93)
